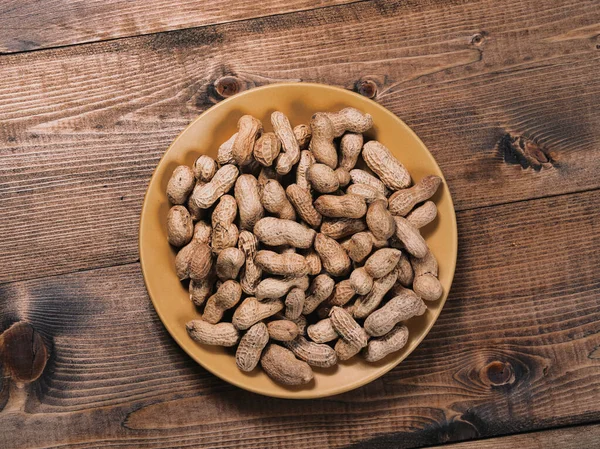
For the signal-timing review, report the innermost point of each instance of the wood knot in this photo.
(525, 152)
(23, 352)
(498, 373)
(226, 86)
(366, 87)
(477, 39)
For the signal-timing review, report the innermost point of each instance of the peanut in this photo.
(224, 232)
(322, 178)
(291, 150)
(342, 206)
(361, 281)
(402, 202)
(249, 129)
(201, 290)
(426, 283)
(367, 304)
(201, 262)
(275, 232)
(350, 146)
(410, 237)
(379, 220)
(301, 199)
(399, 308)
(251, 273)
(343, 292)
(283, 367)
(391, 172)
(393, 341)
(195, 212)
(248, 201)
(293, 264)
(202, 232)
(205, 168)
(322, 331)
(335, 260)
(251, 346)
(363, 177)
(221, 334)
(184, 259)
(229, 263)
(348, 328)
(225, 152)
(312, 353)
(266, 149)
(282, 330)
(342, 176)
(276, 202)
(345, 350)
(206, 195)
(227, 296)
(272, 288)
(251, 311)
(321, 144)
(351, 120)
(180, 227)
(301, 323)
(404, 271)
(266, 174)
(180, 185)
(303, 135)
(320, 289)
(367, 192)
(382, 262)
(313, 261)
(422, 215)
(377, 243)
(338, 228)
(306, 160)
(358, 246)
(294, 303)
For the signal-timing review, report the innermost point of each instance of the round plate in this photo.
(204, 136)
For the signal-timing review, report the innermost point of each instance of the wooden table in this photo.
(506, 95)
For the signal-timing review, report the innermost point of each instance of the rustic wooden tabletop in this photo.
(506, 95)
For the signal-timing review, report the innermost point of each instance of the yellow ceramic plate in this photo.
(204, 136)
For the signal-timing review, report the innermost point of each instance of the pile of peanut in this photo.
(295, 254)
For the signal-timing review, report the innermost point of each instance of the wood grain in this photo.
(27, 25)
(570, 438)
(515, 349)
(83, 127)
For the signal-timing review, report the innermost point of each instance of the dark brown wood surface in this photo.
(504, 93)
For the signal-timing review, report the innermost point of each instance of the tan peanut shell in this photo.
(361, 281)
(322, 331)
(221, 334)
(393, 341)
(276, 232)
(348, 328)
(204, 168)
(403, 201)
(428, 287)
(294, 303)
(333, 257)
(382, 262)
(397, 309)
(276, 202)
(351, 120)
(320, 289)
(367, 192)
(282, 330)
(410, 237)
(313, 261)
(289, 145)
(358, 246)
(249, 129)
(404, 271)
(391, 172)
(180, 185)
(322, 178)
(266, 149)
(225, 152)
(180, 227)
(204, 196)
(350, 146)
(312, 353)
(343, 176)
(343, 292)
(202, 232)
(345, 350)
(365, 305)
(201, 262)
(378, 243)
(341, 206)
(301, 199)
(306, 160)
(379, 220)
(226, 297)
(338, 228)
(248, 201)
(184, 259)
(271, 288)
(201, 290)
(264, 176)
(290, 264)
(425, 265)
(229, 263)
(359, 176)
(224, 232)
(422, 215)
(251, 346)
(195, 212)
(283, 367)
(303, 135)
(321, 143)
(251, 273)
(251, 311)
(302, 324)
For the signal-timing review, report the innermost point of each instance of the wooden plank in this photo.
(569, 438)
(27, 25)
(83, 127)
(515, 349)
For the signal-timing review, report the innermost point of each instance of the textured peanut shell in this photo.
(359, 176)
(348, 328)
(350, 147)
(249, 129)
(391, 172)
(226, 297)
(303, 135)
(343, 292)
(402, 202)
(229, 263)
(397, 309)
(380, 221)
(404, 271)
(282, 330)
(306, 160)
(276, 232)
(251, 311)
(321, 143)
(333, 257)
(201, 262)
(422, 215)
(351, 120)
(320, 289)
(312, 353)
(410, 237)
(251, 273)
(290, 264)
(301, 199)
(343, 176)
(204, 168)
(276, 202)
(195, 212)
(224, 232)
(301, 323)
(378, 243)
(283, 367)
(221, 334)
(180, 227)
(361, 281)
(264, 176)
(248, 201)
(345, 350)
(382, 262)
(225, 152)
(289, 145)
(341, 206)
(428, 287)
(322, 331)
(202, 232)
(251, 346)
(313, 261)
(364, 305)
(322, 178)
(272, 288)
(358, 246)
(391, 342)
(266, 149)
(425, 265)
(180, 184)
(367, 192)
(206, 195)
(294, 302)
(184, 259)
(338, 228)
(201, 290)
